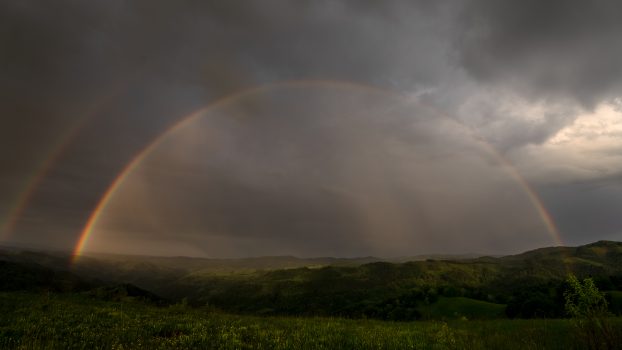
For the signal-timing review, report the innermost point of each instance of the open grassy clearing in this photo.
(79, 322)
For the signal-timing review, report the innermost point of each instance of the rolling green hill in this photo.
(34, 277)
(530, 284)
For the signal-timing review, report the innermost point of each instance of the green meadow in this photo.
(40, 321)
(133, 302)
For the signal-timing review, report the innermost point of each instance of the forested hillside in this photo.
(526, 285)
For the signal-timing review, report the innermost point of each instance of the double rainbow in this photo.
(95, 216)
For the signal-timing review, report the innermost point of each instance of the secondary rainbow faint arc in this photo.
(33, 182)
(188, 119)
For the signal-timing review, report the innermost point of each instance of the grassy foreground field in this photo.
(79, 322)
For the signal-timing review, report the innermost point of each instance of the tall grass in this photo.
(29, 321)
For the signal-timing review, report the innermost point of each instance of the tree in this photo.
(587, 306)
(584, 300)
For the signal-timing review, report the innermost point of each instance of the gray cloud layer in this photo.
(546, 49)
(105, 78)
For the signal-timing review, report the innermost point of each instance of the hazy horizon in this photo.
(46, 249)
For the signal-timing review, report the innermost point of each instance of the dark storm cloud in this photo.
(587, 211)
(545, 49)
(105, 78)
(130, 69)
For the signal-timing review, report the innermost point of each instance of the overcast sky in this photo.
(351, 128)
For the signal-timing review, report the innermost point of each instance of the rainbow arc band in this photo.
(32, 183)
(87, 231)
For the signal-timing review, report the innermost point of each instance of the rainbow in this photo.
(186, 120)
(32, 183)
(511, 170)
(532, 195)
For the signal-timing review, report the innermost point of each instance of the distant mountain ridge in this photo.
(600, 252)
